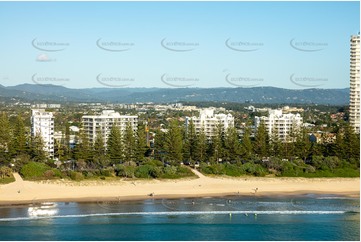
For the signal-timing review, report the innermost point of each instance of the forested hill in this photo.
(34, 92)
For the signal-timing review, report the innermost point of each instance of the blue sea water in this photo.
(283, 218)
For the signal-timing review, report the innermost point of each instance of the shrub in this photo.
(143, 171)
(317, 161)
(184, 171)
(233, 170)
(88, 174)
(254, 169)
(5, 172)
(310, 169)
(204, 168)
(76, 176)
(34, 170)
(57, 173)
(130, 163)
(20, 161)
(107, 172)
(49, 174)
(6, 175)
(170, 170)
(174, 172)
(332, 162)
(125, 171)
(156, 172)
(153, 162)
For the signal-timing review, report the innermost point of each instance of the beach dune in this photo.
(62, 190)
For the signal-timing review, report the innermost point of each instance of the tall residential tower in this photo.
(42, 123)
(355, 82)
(285, 126)
(208, 121)
(92, 124)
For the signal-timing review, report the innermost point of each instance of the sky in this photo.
(293, 45)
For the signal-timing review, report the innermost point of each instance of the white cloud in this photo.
(43, 58)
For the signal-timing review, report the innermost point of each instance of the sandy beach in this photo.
(21, 191)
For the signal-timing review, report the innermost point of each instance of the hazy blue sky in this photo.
(168, 44)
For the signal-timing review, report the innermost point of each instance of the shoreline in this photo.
(171, 196)
(29, 192)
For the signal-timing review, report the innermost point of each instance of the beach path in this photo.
(197, 173)
(18, 178)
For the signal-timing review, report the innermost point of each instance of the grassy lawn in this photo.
(7, 180)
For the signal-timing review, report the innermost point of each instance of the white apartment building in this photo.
(104, 123)
(42, 123)
(282, 123)
(209, 121)
(355, 82)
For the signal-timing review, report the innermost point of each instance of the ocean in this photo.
(306, 217)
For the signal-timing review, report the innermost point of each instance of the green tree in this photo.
(261, 145)
(19, 142)
(99, 151)
(246, 145)
(347, 145)
(174, 142)
(217, 144)
(232, 144)
(338, 148)
(66, 145)
(191, 142)
(58, 150)
(83, 149)
(290, 141)
(303, 145)
(141, 143)
(5, 138)
(159, 145)
(115, 147)
(275, 142)
(37, 152)
(202, 146)
(129, 143)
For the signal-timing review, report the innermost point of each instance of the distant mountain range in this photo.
(46, 93)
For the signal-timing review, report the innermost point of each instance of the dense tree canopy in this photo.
(227, 152)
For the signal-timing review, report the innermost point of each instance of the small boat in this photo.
(47, 205)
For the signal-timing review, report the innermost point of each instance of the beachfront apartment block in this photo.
(93, 124)
(280, 124)
(42, 123)
(208, 121)
(355, 82)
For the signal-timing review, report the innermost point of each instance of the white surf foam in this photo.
(286, 212)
